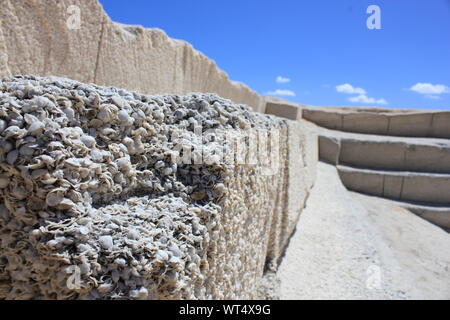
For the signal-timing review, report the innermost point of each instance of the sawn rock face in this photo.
(42, 38)
(110, 194)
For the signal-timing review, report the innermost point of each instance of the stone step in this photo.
(384, 152)
(283, 108)
(432, 188)
(438, 215)
(391, 122)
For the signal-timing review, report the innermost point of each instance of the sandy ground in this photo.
(350, 246)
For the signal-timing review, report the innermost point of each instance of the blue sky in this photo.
(323, 47)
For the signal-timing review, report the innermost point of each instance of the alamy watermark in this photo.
(259, 148)
(74, 280)
(374, 277)
(374, 20)
(73, 22)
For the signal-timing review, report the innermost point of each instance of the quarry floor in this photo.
(351, 246)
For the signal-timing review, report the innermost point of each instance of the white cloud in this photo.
(361, 94)
(281, 79)
(431, 90)
(362, 98)
(348, 88)
(280, 92)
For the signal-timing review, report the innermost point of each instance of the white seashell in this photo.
(42, 102)
(105, 288)
(54, 198)
(139, 294)
(83, 247)
(124, 163)
(4, 181)
(39, 173)
(6, 146)
(66, 204)
(158, 115)
(73, 162)
(29, 118)
(70, 113)
(115, 276)
(52, 243)
(123, 115)
(84, 230)
(47, 159)
(26, 150)
(162, 255)
(118, 101)
(104, 115)
(159, 164)
(55, 145)
(106, 242)
(175, 250)
(89, 141)
(85, 268)
(176, 260)
(19, 193)
(12, 156)
(84, 221)
(219, 189)
(133, 234)
(36, 233)
(49, 181)
(36, 127)
(107, 131)
(14, 131)
(120, 262)
(2, 125)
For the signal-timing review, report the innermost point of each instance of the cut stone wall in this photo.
(283, 108)
(89, 188)
(389, 122)
(402, 155)
(35, 39)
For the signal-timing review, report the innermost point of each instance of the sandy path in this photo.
(349, 246)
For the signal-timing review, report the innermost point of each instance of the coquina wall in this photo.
(88, 183)
(35, 39)
(227, 260)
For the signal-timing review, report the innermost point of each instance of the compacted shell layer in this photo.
(94, 204)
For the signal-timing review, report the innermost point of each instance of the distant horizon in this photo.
(322, 53)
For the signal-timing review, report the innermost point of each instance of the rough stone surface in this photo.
(88, 182)
(436, 214)
(35, 39)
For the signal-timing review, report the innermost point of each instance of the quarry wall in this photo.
(401, 155)
(389, 122)
(88, 184)
(225, 260)
(35, 39)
